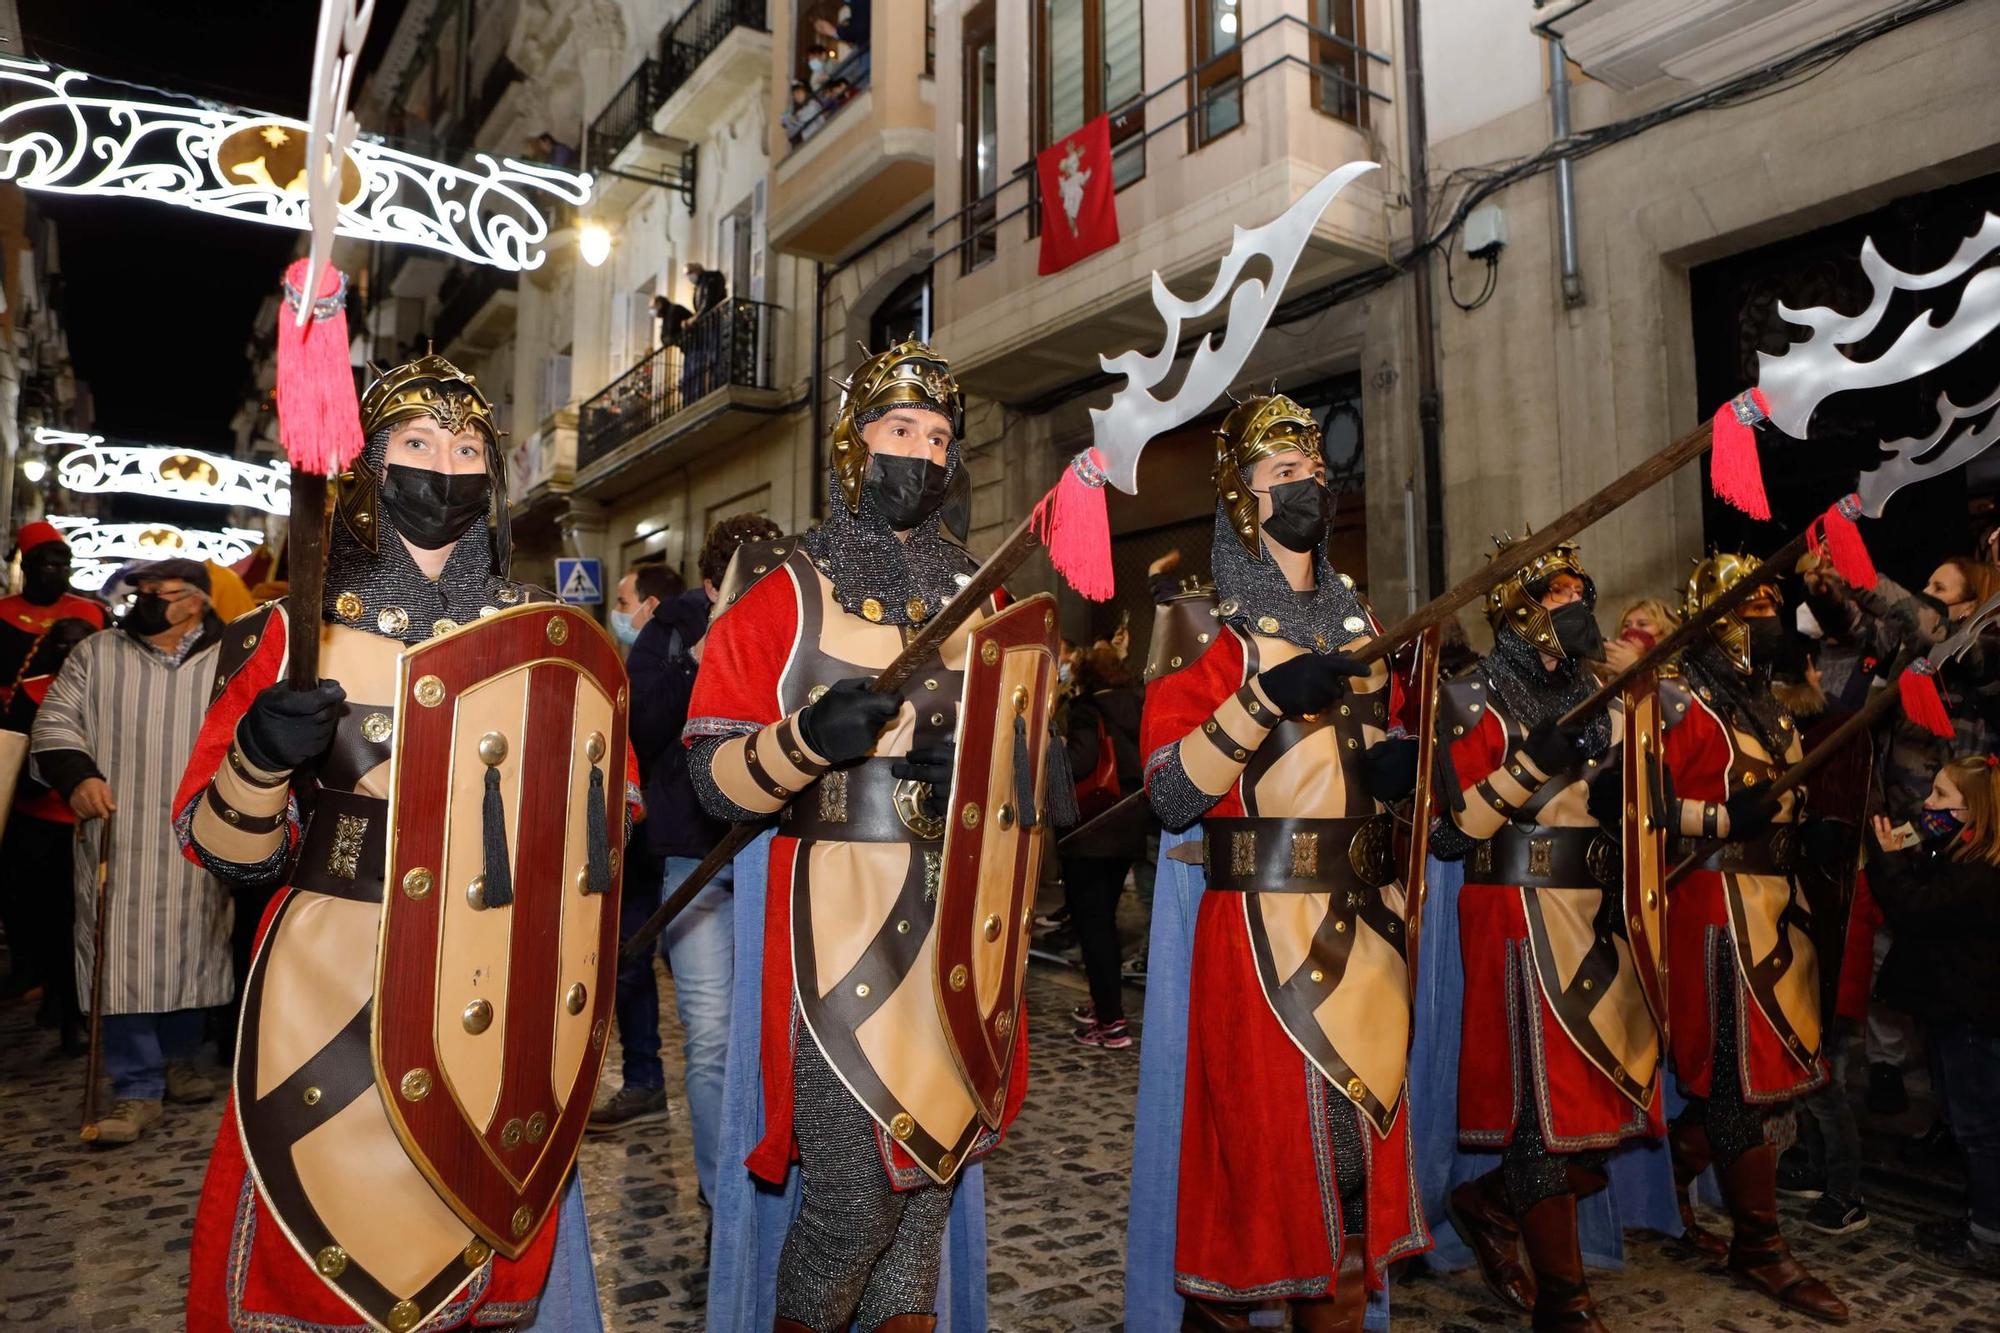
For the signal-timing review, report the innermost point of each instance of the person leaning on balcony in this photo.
(710, 287)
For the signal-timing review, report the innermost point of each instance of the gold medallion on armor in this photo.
(1371, 854)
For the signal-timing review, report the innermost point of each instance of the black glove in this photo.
(932, 764)
(1389, 769)
(1606, 801)
(1552, 748)
(1309, 682)
(1827, 843)
(843, 724)
(1750, 811)
(286, 727)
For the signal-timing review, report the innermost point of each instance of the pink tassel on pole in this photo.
(1918, 687)
(319, 418)
(1072, 522)
(1841, 540)
(1733, 471)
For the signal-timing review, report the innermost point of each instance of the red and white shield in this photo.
(490, 1016)
(986, 887)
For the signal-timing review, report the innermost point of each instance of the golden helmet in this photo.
(427, 386)
(1710, 579)
(1257, 427)
(909, 372)
(1516, 603)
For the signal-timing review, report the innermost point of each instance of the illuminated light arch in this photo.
(95, 467)
(99, 548)
(57, 133)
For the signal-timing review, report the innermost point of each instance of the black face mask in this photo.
(44, 578)
(433, 509)
(907, 490)
(148, 614)
(1577, 632)
(1300, 511)
(1767, 640)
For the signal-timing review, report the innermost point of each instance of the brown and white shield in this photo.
(493, 985)
(993, 843)
(1645, 843)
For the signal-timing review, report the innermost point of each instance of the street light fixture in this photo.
(593, 240)
(34, 469)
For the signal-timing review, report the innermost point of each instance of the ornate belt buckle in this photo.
(1371, 853)
(1603, 860)
(909, 802)
(1541, 856)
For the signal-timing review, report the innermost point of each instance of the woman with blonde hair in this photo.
(1648, 616)
(1939, 886)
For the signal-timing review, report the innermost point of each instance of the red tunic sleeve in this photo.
(1177, 704)
(1477, 753)
(742, 660)
(218, 726)
(1698, 757)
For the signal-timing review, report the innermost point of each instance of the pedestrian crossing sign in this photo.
(579, 582)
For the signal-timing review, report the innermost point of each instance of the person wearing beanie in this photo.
(45, 598)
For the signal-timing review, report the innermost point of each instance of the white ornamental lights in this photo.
(100, 548)
(167, 473)
(58, 133)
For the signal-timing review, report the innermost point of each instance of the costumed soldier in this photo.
(860, 1074)
(1295, 1182)
(1559, 1051)
(45, 598)
(1743, 977)
(328, 1203)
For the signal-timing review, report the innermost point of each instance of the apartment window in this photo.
(1091, 63)
(904, 312)
(981, 158)
(1216, 27)
(1340, 68)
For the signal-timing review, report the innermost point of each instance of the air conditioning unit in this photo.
(1631, 44)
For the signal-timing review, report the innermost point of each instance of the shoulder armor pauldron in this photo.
(1184, 628)
(1675, 701)
(241, 638)
(751, 564)
(1462, 702)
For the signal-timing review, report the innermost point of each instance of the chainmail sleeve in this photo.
(1176, 799)
(714, 804)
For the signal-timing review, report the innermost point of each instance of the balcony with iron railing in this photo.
(860, 157)
(1232, 141)
(716, 51)
(713, 382)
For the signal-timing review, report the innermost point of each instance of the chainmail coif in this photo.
(390, 578)
(1250, 590)
(1535, 693)
(1745, 700)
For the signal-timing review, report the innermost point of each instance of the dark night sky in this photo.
(158, 300)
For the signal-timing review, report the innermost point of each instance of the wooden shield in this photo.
(986, 886)
(1645, 842)
(490, 1017)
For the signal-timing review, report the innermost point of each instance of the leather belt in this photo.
(346, 846)
(1538, 857)
(1271, 855)
(863, 802)
(1773, 852)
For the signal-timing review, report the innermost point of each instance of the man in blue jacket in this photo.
(666, 629)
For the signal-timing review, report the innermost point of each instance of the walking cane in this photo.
(93, 1067)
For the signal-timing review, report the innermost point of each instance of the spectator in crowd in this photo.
(555, 152)
(1103, 753)
(849, 28)
(1941, 896)
(113, 735)
(699, 944)
(36, 901)
(673, 318)
(645, 587)
(709, 286)
(1880, 627)
(803, 112)
(45, 598)
(1650, 619)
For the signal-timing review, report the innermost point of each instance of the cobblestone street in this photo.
(98, 1239)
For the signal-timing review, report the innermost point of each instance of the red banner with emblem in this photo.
(1079, 204)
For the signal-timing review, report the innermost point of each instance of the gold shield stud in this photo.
(538, 1125)
(573, 1000)
(478, 1016)
(417, 884)
(415, 1085)
(991, 929)
(558, 631)
(959, 977)
(969, 816)
(989, 653)
(518, 1224)
(429, 691)
(593, 746)
(511, 1136)
(492, 749)
(475, 893)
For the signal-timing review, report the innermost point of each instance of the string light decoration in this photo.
(166, 473)
(98, 549)
(60, 134)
